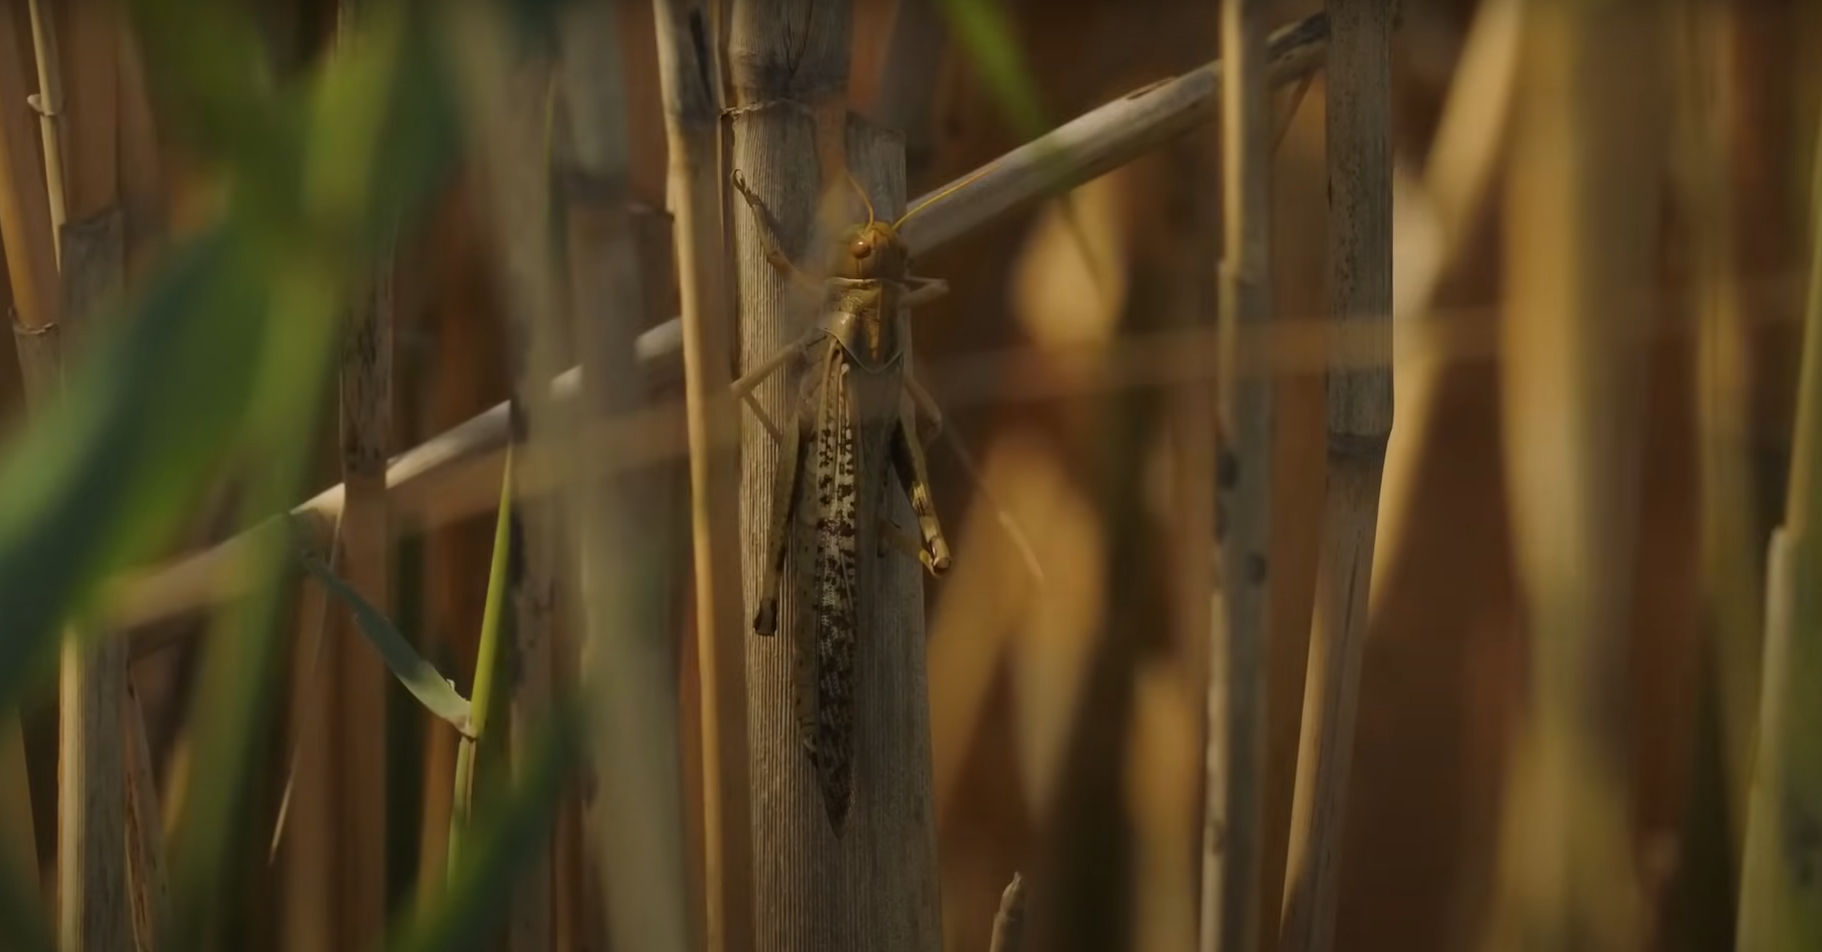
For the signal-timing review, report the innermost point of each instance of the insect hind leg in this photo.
(908, 461)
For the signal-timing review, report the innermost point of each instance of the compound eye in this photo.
(860, 248)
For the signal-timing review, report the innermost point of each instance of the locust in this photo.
(853, 425)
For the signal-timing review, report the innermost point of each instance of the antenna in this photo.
(947, 190)
(863, 196)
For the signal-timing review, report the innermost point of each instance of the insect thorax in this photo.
(862, 316)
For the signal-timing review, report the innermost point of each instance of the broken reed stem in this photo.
(1359, 116)
(1780, 894)
(1009, 921)
(1085, 148)
(690, 79)
(1233, 848)
(620, 536)
(1580, 217)
(353, 697)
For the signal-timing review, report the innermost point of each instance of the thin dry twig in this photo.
(1233, 848)
(689, 75)
(48, 103)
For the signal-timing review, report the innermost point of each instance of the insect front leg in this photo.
(774, 249)
(923, 291)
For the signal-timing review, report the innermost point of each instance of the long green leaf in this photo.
(486, 662)
(103, 478)
(420, 677)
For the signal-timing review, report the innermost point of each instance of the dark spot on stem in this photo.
(1256, 568)
(1227, 468)
(700, 42)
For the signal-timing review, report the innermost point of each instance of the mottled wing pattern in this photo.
(833, 579)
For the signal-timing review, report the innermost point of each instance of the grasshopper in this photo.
(854, 421)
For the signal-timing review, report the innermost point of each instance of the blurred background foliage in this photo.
(267, 170)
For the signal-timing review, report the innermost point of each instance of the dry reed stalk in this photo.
(579, 924)
(149, 891)
(25, 213)
(95, 911)
(1009, 921)
(1580, 212)
(619, 269)
(1458, 176)
(305, 824)
(1780, 894)
(334, 871)
(1232, 847)
(141, 189)
(25, 234)
(110, 104)
(1100, 139)
(92, 846)
(89, 112)
(18, 849)
(507, 80)
(818, 891)
(1705, 884)
(690, 77)
(1359, 89)
(353, 695)
(906, 86)
(793, 141)
(48, 103)
(1730, 543)
(1192, 425)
